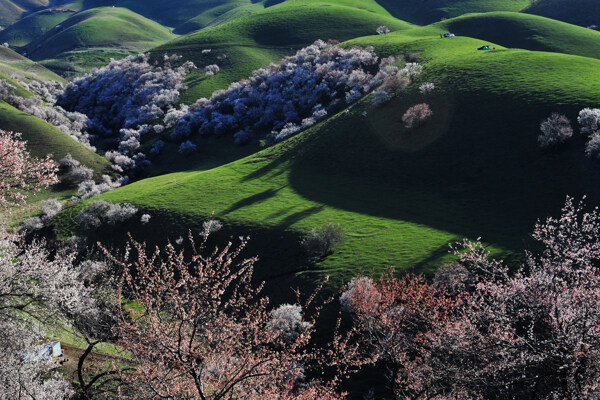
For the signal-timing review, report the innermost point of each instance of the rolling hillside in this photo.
(12, 63)
(42, 138)
(33, 26)
(474, 170)
(91, 37)
(248, 43)
(578, 12)
(524, 31)
(183, 15)
(12, 10)
(426, 12)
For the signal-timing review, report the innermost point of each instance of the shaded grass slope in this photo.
(12, 10)
(578, 12)
(474, 169)
(33, 26)
(426, 12)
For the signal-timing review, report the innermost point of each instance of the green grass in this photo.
(525, 31)
(12, 63)
(256, 40)
(43, 139)
(220, 14)
(579, 12)
(103, 31)
(12, 10)
(33, 26)
(423, 13)
(474, 170)
(184, 15)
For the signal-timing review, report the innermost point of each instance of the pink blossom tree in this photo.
(199, 329)
(416, 115)
(20, 172)
(530, 331)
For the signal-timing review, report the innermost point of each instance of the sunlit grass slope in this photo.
(184, 16)
(33, 26)
(517, 30)
(91, 37)
(401, 195)
(42, 139)
(248, 43)
(12, 63)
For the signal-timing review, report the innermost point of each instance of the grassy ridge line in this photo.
(578, 12)
(100, 27)
(32, 26)
(91, 37)
(12, 63)
(524, 31)
(416, 12)
(256, 40)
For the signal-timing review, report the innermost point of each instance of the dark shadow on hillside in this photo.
(299, 216)
(485, 176)
(264, 170)
(256, 198)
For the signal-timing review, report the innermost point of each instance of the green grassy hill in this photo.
(578, 12)
(91, 37)
(12, 63)
(42, 138)
(183, 15)
(524, 31)
(430, 11)
(401, 195)
(33, 26)
(12, 10)
(219, 14)
(248, 43)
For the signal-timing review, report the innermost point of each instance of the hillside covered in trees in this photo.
(299, 199)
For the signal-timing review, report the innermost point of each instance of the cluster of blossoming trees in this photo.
(192, 323)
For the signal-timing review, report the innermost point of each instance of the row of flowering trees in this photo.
(192, 323)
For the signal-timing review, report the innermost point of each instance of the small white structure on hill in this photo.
(43, 352)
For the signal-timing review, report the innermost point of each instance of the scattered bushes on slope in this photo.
(323, 240)
(73, 124)
(555, 129)
(99, 212)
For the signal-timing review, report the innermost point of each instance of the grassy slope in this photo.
(579, 12)
(12, 63)
(423, 13)
(33, 26)
(524, 31)
(401, 196)
(263, 37)
(12, 10)
(43, 138)
(219, 14)
(98, 33)
(183, 15)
